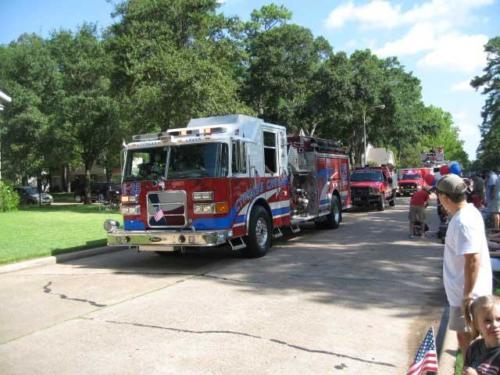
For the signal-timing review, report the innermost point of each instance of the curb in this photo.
(446, 345)
(60, 258)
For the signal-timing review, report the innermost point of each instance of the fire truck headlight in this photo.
(203, 196)
(111, 225)
(203, 208)
(130, 210)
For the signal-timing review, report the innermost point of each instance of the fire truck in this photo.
(410, 180)
(227, 180)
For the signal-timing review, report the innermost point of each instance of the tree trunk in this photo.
(87, 199)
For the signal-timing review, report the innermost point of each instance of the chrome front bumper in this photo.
(157, 240)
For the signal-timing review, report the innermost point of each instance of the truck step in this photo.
(277, 233)
(237, 243)
(294, 228)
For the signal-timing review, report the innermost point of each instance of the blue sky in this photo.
(440, 41)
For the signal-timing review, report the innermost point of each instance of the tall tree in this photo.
(488, 151)
(30, 75)
(87, 122)
(174, 60)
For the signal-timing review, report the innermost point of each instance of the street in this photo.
(355, 300)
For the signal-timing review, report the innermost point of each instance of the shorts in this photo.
(493, 206)
(456, 321)
(417, 213)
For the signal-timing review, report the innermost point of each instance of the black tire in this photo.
(381, 203)
(334, 218)
(259, 233)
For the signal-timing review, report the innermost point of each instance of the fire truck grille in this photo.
(360, 192)
(408, 185)
(167, 209)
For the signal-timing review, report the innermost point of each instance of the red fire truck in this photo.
(413, 179)
(233, 180)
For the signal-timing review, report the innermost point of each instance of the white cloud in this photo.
(376, 14)
(442, 48)
(382, 14)
(463, 53)
(463, 86)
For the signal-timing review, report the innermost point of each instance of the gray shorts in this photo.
(456, 321)
(417, 213)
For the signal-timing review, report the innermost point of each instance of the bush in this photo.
(9, 199)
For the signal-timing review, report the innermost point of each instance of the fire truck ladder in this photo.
(237, 243)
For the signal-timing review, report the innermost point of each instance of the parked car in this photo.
(99, 191)
(29, 195)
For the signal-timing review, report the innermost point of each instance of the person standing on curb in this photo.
(467, 270)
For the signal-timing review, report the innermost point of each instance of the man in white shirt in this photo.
(466, 265)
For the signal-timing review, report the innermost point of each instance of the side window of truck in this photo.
(239, 162)
(270, 152)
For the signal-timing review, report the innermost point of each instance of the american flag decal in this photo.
(159, 214)
(426, 358)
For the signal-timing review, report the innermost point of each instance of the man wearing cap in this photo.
(466, 265)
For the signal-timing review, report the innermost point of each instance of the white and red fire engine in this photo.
(233, 180)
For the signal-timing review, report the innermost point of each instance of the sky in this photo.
(439, 41)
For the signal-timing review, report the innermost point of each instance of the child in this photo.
(483, 355)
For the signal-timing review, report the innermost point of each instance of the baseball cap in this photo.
(451, 184)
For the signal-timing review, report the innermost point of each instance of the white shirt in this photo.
(465, 235)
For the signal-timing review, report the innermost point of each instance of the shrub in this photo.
(9, 199)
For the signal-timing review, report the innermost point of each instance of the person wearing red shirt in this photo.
(418, 202)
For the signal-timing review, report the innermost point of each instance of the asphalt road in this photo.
(355, 300)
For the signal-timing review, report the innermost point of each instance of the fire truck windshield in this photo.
(184, 162)
(367, 176)
(411, 177)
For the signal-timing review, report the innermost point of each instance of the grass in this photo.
(459, 363)
(36, 231)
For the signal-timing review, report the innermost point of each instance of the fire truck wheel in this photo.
(259, 233)
(334, 218)
(381, 203)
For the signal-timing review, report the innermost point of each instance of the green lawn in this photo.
(40, 231)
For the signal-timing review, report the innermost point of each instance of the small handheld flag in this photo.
(426, 358)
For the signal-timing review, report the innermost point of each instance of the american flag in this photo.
(159, 214)
(488, 369)
(426, 358)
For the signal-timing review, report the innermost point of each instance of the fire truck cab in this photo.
(226, 180)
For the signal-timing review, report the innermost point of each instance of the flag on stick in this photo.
(159, 214)
(426, 358)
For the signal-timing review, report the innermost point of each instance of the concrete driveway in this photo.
(356, 300)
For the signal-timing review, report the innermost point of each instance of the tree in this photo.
(30, 75)
(174, 60)
(489, 147)
(282, 62)
(87, 124)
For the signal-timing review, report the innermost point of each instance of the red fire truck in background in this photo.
(233, 180)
